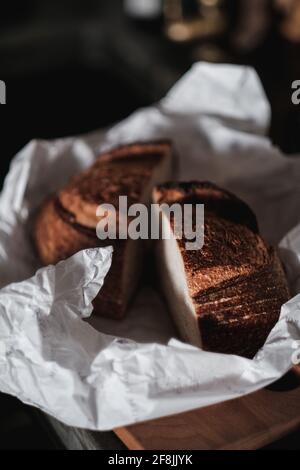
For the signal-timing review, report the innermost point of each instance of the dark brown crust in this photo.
(230, 251)
(244, 337)
(56, 240)
(247, 315)
(220, 202)
(59, 233)
(70, 219)
(123, 171)
(236, 281)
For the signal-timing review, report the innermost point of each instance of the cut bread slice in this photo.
(227, 296)
(67, 221)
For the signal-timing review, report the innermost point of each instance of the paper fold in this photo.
(99, 374)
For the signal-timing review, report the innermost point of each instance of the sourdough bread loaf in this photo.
(67, 221)
(227, 296)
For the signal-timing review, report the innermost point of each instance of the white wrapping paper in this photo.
(100, 374)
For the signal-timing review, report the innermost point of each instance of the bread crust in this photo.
(123, 171)
(67, 221)
(236, 281)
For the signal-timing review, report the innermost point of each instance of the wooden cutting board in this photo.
(250, 422)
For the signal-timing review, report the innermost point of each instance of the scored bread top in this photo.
(122, 172)
(231, 249)
(216, 200)
(236, 281)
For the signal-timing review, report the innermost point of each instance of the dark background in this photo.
(71, 66)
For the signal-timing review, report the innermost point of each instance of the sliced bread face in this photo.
(227, 296)
(68, 220)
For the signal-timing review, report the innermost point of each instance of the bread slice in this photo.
(227, 296)
(67, 221)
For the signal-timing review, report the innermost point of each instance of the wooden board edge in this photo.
(128, 439)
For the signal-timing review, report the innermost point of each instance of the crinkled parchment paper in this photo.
(100, 374)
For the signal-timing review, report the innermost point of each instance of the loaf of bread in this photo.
(227, 296)
(67, 221)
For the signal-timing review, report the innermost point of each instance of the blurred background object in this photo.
(291, 25)
(72, 66)
(97, 61)
(253, 24)
(194, 19)
(144, 9)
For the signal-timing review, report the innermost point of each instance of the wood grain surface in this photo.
(250, 422)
